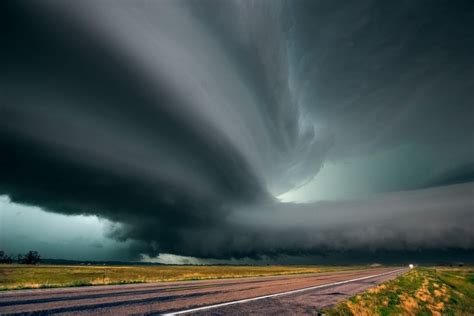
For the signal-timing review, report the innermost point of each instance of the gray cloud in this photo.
(383, 74)
(434, 218)
(183, 120)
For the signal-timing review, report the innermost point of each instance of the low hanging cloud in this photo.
(436, 218)
(182, 121)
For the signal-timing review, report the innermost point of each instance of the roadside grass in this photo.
(49, 276)
(422, 291)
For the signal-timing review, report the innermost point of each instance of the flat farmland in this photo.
(50, 276)
(304, 293)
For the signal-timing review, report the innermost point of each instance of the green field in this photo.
(422, 291)
(44, 276)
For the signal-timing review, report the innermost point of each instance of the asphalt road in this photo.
(290, 294)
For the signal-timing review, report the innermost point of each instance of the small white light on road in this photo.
(411, 266)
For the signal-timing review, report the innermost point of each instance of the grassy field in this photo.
(44, 276)
(422, 291)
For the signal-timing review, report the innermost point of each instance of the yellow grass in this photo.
(42, 276)
(422, 291)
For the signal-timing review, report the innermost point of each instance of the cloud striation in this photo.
(183, 121)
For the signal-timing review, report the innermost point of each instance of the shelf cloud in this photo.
(184, 121)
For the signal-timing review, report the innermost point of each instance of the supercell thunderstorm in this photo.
(184, 121)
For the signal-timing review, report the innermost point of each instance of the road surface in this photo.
(289, 294)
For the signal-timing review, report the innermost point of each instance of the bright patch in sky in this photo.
(24, 228)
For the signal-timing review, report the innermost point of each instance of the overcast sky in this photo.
(195, 131)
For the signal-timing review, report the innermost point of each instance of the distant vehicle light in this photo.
(411, 266)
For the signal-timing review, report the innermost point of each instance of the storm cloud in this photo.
(184, 121)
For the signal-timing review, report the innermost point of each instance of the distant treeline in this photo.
(31, 257)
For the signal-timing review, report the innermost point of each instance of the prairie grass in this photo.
(46, 276)
(422, 291)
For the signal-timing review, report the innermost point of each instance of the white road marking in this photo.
(277, 294)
